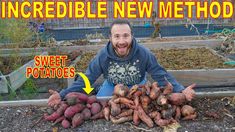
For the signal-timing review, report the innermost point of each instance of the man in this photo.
(122, 61)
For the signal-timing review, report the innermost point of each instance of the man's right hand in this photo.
(54, 99)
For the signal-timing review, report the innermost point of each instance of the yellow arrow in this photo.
(87, 88)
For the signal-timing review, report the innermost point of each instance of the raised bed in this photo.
(202, 66)
(23, 117)
(14, 79)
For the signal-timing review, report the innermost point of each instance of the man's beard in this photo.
(119, 50)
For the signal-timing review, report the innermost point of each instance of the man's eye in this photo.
(126, 35)
(116, 36)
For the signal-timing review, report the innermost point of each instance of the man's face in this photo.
(121, 39)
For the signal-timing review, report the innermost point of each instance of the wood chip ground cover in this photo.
(21, 119)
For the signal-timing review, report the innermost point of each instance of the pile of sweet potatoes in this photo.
(76, 109)
(148, 103)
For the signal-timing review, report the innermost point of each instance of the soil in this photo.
(174, 59)
(214, 114)
(11, 63)
(36, 88)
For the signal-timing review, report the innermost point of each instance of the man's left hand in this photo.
(189, 92)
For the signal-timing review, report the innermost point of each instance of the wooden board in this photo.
(18, 77)
(205, 77)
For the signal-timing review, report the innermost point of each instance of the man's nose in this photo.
(122, 40)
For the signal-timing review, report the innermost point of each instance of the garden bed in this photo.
(214, 114)
(175, 59)
(11, 63)
(34, 88)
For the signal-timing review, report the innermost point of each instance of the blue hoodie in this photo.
(129, 70)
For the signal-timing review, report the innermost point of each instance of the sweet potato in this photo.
(65, 124)
(103, 103)
(161, 122)
(51, 117)
(88, 106)
(177, 98)
(155, 91)
(162, 100)
(72, 110)
(81, 96)
(145, 100)
(58, 120)
(115, 108)
(106, 113)
(148, 87)
(190, 117)
(120, 90)
(138, 93)
(95, 108)
(168, 113)
(77, 120)
(136, 119)
(99, 115)
(137, 101)
(72, 101)
(125, 113)
(120, 120)
(153, 114)
(92, 99)
(132, 91)
(168, 89)
(144, 117)
(187, 110)
(123, 100)
(87, 113)
(62, 107)
(177, 113)
(57, 113)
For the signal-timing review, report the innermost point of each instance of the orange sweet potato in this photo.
(136, 119)
(132, 91)
(187, 110)
(125, 113)
(72, 110)
(177, 98)
(177, 113)
(120, 120)
(77, 120)
(168, 88)
(155, 91)
(106, 113)
(115, 108)
(65, 123)
(120, 90)
(144, 117)
(145, 100)
(162, 100)
(95, 108)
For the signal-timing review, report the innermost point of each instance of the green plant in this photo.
(29, 88)
(15, 31)
(12, 95)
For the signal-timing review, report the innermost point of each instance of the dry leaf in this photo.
(171, 127)
(55, 129)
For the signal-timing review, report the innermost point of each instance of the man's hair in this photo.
(120, 21)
